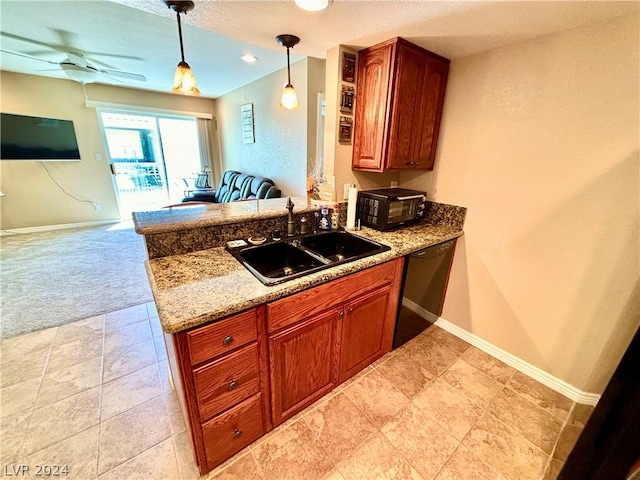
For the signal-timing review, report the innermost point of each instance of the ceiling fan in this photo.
(78, 68)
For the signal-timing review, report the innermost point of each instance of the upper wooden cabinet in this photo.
(399, 98)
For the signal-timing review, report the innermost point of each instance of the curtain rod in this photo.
(136, 108)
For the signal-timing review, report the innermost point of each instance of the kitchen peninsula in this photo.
(244, 356)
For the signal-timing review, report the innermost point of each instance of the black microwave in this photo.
(387, 208)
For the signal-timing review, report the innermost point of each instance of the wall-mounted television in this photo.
(36, 138)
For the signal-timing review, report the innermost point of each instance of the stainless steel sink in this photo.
(280, 261)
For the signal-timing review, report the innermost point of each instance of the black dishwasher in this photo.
(424, 284)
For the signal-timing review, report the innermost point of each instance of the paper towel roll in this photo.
(351, 208)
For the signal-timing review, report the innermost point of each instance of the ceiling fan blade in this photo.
(98, 64)
(56, 48)
(29, 56)
(64, 48)
(40, 53)
(111, 55)
(65, 36)
(110, 77)
(77, 58)
(49, 70)
(130, 76)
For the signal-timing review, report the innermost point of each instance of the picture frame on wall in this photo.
(346, 127)
(248, 130)
(348, 67)
(346, 99)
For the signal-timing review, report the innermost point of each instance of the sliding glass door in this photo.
(153, 158)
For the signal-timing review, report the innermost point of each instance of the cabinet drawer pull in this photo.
(237, 433)
(232, 385)
(228, 340)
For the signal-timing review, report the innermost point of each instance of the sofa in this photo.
(236, 186)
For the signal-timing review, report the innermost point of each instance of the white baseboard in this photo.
(541, 376)
(62, 226)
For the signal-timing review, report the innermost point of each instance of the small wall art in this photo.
(348, 67)
(346, 125)
(346, 99)
(248, 131)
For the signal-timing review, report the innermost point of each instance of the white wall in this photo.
(540, 142)
(280, 150)
(315, 85)
(31, 197)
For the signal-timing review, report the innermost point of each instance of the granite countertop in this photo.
(197, 215)
(195, 288)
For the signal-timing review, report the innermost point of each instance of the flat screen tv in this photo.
(36, 138)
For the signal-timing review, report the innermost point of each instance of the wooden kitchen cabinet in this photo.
(304, 362)
(367, 331)
(320, 337)
(399, 98)
(221, 377)
(238, 377)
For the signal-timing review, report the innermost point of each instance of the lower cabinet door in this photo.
(304, 363)
(367, 331)
(231, 431)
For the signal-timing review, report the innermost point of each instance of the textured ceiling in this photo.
(140, 36)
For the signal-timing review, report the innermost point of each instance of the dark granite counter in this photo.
(198, 287)
(193, 215)
(194, 280)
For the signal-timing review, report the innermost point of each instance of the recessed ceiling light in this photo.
(249, 58)
(312, 5)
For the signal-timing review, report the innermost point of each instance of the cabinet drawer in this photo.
(230, 432)
(227, 381)
(289, 310)
(222, 337)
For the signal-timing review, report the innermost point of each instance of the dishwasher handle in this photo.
(434, 250)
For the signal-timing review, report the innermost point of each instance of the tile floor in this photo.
(94, 395)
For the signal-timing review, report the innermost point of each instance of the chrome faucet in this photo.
(291, 225)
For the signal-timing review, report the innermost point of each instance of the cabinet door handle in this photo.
(228, 340)
(341, 313)
(233, 385)
(237, 433)
(349, 309)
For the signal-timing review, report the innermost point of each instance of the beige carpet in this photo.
(55, 277)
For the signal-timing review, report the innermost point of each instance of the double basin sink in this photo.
(280, 261)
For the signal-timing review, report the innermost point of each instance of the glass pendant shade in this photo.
(312, 5)
(289, 98)
(184, 81)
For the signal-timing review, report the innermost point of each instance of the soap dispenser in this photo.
(325, 223)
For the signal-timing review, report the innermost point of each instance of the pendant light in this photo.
(184, 80)
(289, 98)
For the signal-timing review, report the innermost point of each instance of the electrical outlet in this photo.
(394, 184)
(97, 206)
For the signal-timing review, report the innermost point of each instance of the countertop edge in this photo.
(167, 226)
